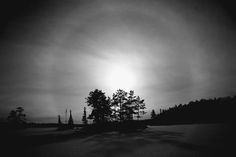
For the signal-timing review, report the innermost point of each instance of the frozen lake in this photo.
(155, 141)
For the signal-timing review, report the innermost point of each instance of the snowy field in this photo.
(155, 141)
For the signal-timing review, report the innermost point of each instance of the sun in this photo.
(120, 77)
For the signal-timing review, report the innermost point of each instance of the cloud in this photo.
(52, 58)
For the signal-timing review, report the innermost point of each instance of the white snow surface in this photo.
(155, 141)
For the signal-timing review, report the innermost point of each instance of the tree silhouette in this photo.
(70, 121)
(133, 106)
(199, 111)
(101, 106)
(126, 105)
(122, 107)
(118, 100)
(140, 107)
(129, 106)
(17, 118)
(84, 119)
(153, 114)
(59, 120)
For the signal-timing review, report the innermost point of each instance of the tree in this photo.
(130, 106)
(70, 121)
(118, 104)
(153, 114)
(84, 119)
(17, 118)
(59, 120)
(101, 111)
(139, 107)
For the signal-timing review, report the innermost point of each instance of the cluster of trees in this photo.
(70, 122)
(17, 118)
(121, 107)
(199, 111)
(153, 114)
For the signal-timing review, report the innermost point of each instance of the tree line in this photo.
(126, 106)
(199, 111)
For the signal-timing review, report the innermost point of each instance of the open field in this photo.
(161, 141)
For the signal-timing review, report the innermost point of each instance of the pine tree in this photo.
(70, 121)
(84, 119)
(153, 114)
(129, 106)
(101, 111)
(59, 120)
(140, 107)
(119, 100)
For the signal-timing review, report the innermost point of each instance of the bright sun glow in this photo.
(120, 77)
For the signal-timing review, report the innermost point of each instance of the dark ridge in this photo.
(217, 110)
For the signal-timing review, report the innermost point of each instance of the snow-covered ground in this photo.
(155, 141)
(43, 131)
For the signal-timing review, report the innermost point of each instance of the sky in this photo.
(52, 54)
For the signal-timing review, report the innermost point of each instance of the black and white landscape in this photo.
(101, 78)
